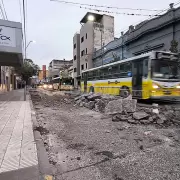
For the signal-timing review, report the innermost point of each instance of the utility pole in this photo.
(24, 18)
(102, 46)
(122, 36)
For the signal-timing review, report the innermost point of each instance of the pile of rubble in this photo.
(128, 110)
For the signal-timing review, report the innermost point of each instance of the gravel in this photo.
(83, 144)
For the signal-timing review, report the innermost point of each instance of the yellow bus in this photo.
(154, 75)
(62, 84)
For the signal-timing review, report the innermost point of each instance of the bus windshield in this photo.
(165, 69)
(66, 82)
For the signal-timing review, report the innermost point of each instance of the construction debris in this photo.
(127, 110)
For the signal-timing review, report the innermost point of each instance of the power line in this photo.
(118, 13)
(4, 9)
(103, 6)
(2, 12)
(175, 4)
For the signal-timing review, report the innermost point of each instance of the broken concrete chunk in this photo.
(129, 105)
(151, 119)
(155, 111)
(108, 97)
(81, 104)
(128, 98)
(160, 121)
(115, 119)
(140, 115)
(100, 106)
(114, 107)
(93, 97)
(78, 102)
(77, 98)
(162, 117)
(132, 121)
(90, 105)
(167, 107)
(154, 105)
(122, 117)
(145, 121)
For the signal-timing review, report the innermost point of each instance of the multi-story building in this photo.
(10, 53)
(43, 74)
(96, 31)
(55, 66)
(155, 34)
(76, 59)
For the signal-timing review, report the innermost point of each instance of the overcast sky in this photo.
(52, 24)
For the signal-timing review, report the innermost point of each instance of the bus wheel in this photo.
(124, 92)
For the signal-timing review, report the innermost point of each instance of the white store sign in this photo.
(7, 36)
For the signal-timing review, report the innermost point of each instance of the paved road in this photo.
(18, 154)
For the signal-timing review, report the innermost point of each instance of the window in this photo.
(82, 67)
(145, 68)
(86, 35)
(74, 46)
(82, 39)
(86, 50)
(75, 70)
(86, 65)
(82, 53)
(74, 57)
(125, 69)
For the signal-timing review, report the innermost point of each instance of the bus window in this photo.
(125, 69)
(145, 68)
(115, 71)
(105, 72)
(90, 75)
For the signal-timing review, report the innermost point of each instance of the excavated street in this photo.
(86, 145)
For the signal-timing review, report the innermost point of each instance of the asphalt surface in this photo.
(86, 145)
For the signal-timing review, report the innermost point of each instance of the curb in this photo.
(43, 162)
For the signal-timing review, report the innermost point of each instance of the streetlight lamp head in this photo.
(33, 41)
(91, 18)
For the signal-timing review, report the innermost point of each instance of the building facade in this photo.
(43, 74)
(10, 53)
(155, 34)
(96, 31)
(76, 59)
(55, 66)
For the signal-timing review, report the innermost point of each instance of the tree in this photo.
(27, 70)
(174, 46)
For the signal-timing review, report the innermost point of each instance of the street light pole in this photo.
(28, 46)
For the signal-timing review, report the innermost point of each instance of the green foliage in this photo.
(174, 46)
(27, 70)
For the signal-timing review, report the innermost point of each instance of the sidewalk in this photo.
(18, 152)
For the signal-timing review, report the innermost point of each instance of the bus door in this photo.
(85, 82)
(137, 78)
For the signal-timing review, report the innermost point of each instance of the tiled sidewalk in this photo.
(18, 149)
(17, 146)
